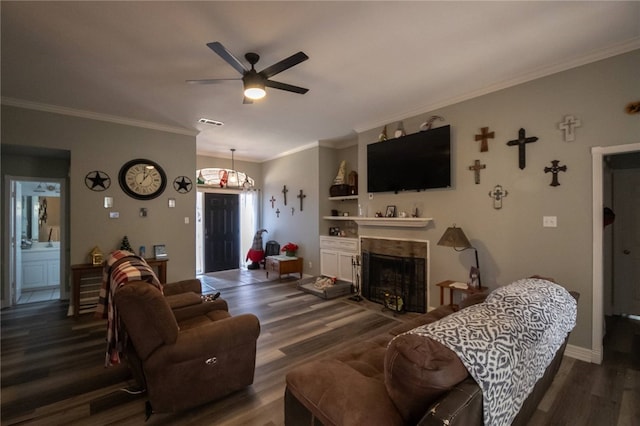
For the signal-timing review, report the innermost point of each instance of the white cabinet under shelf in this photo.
(336, 257)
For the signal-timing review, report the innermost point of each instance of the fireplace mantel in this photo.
(397, 222)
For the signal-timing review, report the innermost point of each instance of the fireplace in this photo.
(394, 273)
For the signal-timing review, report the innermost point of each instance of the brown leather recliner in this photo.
(203, 355)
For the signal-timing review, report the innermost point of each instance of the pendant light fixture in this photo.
(232, 179)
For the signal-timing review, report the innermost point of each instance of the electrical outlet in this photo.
(310, 265)
(550, 221)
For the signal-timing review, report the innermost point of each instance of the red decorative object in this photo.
(290, 249)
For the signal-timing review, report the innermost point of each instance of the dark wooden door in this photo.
(221, 232)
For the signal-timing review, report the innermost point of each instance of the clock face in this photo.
(142, 179)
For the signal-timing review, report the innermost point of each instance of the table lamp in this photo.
(454, 237)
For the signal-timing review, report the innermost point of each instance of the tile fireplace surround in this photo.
(397, 267)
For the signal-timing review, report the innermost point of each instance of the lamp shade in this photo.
(253, 86)
(454, 237)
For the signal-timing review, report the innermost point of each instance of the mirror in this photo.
(40, 213)
(30, 217)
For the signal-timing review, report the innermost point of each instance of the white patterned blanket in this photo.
(508, 341)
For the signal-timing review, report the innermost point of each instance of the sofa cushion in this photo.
(180, 300)
(338, 394)
(417, 371)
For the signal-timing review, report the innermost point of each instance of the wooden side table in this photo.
(88, 270)
(283, 265)
(447, 284)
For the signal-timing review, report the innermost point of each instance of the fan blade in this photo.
(247, 100)
(211, 80)
(227, 56)
(284, 86)
(284, 64)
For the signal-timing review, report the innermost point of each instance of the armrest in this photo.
(202, 308)
(183, 286)
(207, 341)
(462, 405)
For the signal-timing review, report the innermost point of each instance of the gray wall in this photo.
(297, 171)
(105, 146)
(512, 242)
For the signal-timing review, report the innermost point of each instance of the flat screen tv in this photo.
(410, 163)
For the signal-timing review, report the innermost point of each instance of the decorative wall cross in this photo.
(301, 196)
(284, 191)
(476, 169)
(277, 212)
(568, 126)
(483, 136)
(272, 200)
(498, 194)
(555, 169)
(521, 143)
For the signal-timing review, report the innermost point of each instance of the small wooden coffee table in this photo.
(283, 265)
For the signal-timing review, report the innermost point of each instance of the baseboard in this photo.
(577, 352)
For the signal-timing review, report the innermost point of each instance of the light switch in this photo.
(549, 221)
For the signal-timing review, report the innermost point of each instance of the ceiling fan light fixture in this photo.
(253, 86)
(255, 92)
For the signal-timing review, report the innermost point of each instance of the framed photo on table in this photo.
(160, 251)
(391, 211)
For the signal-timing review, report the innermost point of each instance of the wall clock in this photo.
(142, 179)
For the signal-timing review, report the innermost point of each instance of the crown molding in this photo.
(56, 109)
(594, 56)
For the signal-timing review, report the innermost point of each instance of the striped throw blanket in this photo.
(120, 268)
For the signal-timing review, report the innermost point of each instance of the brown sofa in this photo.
(410, 381)
(184, 351)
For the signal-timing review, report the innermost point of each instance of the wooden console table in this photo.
(88, 270)
(283, 265)
(447, 284)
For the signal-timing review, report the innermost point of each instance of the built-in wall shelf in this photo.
(344, 198)
(340, 217)
(398, 222)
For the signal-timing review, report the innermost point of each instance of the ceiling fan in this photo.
(255, 82)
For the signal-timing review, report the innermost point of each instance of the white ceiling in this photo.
(371, 63)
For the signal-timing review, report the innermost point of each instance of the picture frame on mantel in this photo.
(391, 211)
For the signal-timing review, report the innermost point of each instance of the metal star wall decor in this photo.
(97, 180)
(182, 184)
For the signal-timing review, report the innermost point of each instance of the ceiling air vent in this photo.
(210, 122)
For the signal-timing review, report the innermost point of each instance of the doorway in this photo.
(599, 259)
(36, 223)
(249, 213)
(221, 232)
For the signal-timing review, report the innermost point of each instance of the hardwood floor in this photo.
(52, 365)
